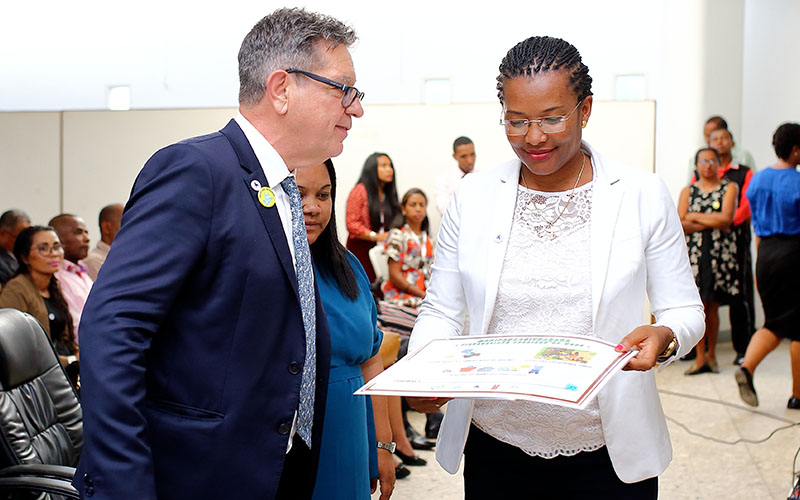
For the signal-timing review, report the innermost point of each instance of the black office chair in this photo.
(41, 431)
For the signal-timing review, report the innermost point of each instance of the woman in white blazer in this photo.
(560, 241)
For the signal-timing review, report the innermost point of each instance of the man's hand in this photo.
(650, 342)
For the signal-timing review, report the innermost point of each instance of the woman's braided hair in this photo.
(543, 53)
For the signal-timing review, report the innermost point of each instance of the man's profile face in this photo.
(318, 116)
(9, 236)
(74, 237)
(465, 156)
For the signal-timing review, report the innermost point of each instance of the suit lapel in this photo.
(253, 173)
(501, 216)
(608, 191)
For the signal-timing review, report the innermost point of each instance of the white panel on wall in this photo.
(29, 164)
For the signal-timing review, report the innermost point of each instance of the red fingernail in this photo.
(620, 347)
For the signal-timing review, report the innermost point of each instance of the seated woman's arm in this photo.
(718, 220)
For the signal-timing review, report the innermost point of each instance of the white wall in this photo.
(771, 73)
(182, 53)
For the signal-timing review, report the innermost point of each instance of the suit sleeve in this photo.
(164, 233)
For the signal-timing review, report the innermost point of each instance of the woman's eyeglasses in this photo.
(44, 249)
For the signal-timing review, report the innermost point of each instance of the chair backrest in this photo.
(380, 264)
(40, 416)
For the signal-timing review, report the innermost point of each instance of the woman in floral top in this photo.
(706, 210)
(410, 253)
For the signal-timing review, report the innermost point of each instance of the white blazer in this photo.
(637, 245)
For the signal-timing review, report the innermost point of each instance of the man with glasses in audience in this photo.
(205, 349)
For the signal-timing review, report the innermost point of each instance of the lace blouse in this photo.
(545, 288)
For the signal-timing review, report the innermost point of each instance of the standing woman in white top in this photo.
(560, 241)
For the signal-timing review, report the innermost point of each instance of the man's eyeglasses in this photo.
(350, 93)
(548, 124)
(44, 249)
(708, 162)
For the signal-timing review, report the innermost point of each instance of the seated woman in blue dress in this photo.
(351, 458)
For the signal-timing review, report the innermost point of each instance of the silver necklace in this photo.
(552, 223)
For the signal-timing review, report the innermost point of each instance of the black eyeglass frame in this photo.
(350, 93)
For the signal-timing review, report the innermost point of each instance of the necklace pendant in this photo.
(552, 231)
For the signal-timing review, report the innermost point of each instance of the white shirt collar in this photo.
(275, 169)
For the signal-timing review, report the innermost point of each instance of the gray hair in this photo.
(282, 40)
(11, 218)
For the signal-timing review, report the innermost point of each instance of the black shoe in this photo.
(418, 441)
(432, 423)
(747, 390)
(793, 404)
(410, 459)
(739, 359)
(401, 471)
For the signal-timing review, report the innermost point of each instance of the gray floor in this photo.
(701, 469)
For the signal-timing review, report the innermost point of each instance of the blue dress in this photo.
(348, 456)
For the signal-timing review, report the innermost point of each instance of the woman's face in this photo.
(532, 98)
(46, 253)
(707, 165)
(415, 209)
(385, 170)
(314, 185)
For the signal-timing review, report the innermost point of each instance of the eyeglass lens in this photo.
(47, 249)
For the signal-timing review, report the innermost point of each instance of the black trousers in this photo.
(493, 469)
(298, 475)
(742, 311)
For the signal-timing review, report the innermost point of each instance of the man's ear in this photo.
(277, 90)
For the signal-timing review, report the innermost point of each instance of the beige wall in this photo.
(80, 161)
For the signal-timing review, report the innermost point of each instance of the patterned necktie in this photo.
(305, 288)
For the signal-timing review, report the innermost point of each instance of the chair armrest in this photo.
(39, 484)
(39, 470)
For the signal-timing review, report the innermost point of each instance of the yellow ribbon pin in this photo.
(266, 197)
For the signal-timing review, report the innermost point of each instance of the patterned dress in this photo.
(712, 252)
(415, 255)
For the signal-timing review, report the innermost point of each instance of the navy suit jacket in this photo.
(192, 340)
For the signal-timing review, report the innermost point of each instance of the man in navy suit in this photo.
(193, 342)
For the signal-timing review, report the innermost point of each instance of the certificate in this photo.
(566, 370)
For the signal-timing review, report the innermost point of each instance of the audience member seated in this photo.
(446, 184)
(410, 252)
(774, 196)
(371, 207)
(706, 210)
(35, 290)
(73, 275)
(109, 221)
(11, 223)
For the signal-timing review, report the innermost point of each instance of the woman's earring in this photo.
(583, 124)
